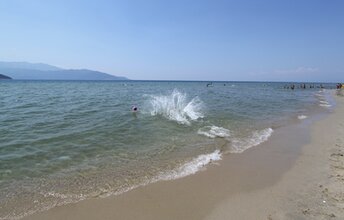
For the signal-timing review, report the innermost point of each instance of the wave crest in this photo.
(191, 167)
(176, 107)
(214, 131)
(258, 137)
(301, 117)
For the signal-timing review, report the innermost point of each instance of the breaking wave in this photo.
(196, 164)
(191, 167)
(301, 117)
(214, 131)
(258, 137)
(324, 104)
(176, 107)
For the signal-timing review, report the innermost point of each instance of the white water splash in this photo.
(176, 107)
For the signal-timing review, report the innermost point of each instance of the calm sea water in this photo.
(64, 141)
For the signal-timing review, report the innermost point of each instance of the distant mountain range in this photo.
(41, 71)
(4, 77)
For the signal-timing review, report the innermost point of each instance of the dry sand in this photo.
(297, 174)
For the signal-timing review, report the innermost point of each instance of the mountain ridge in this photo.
(27, 65)
(42, 71)
(4, 76)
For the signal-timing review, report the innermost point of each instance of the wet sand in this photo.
(297, 174)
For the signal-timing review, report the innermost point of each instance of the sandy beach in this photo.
(297, 174)
(171, 110)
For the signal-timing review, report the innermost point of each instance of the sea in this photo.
(65, 141)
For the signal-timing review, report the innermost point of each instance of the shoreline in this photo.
(310, 189)
(257, 184)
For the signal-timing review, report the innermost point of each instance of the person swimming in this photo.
(134, 108)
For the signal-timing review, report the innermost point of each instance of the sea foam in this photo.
(214, 131)
(324, 104)
(188, 168)
(257, 137)
(191, 167)
(301, 117)
(176, 107)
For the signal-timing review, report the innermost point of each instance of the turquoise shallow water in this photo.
(64, 141)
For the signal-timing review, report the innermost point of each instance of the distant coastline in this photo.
(4, 77)
(40, 71)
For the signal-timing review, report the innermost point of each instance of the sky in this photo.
(246, 40)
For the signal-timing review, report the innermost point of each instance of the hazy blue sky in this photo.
(185, 40)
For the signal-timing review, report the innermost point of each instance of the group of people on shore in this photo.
(311, 86)
(303, 86)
